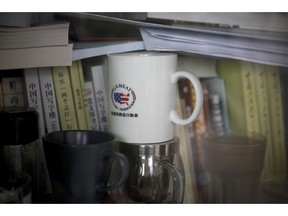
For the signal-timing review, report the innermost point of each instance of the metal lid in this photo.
(18, 125)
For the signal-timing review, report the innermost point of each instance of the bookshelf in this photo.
(203, 59)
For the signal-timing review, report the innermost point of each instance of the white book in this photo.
(100, 92)
(36, 57)
(91, 105)
(34, 95)
(49, 103)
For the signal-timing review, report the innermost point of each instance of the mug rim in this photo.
(111, 138)
(256, 139)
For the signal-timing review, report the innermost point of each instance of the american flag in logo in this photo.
(121, 98)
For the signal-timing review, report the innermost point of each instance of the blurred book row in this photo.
(241, 96)
(66, 97)
(237, 95)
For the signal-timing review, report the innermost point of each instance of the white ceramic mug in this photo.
(142, 89)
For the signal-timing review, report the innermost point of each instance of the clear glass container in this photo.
(19, 148)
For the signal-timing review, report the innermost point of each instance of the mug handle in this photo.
(178, 182)
(174, 117)
(124, 164)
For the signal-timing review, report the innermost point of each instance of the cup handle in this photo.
(174, 117)
(124, 164)
(178, 182)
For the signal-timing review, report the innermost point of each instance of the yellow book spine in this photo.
(230, 72)
(276, 119)
(190, 192)
(64, 98)
(263, 113)
(250, 98)
(84, 95)
(77, 91)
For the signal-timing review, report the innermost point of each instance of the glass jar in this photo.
(19, 148)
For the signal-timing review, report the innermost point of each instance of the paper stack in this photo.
(37, 46)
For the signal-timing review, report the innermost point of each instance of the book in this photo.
(217, 88)
(276, 119)
(14, 99)
(264, 120)
(91, 105)
(250, 98)
(201, 125)
(100, 86)
(196, 129)
(93, 69)
(85, 102)
(283, 73)
(13, 91)
(241, 94)
(256, 46)
(53, 34)
(12, 85)
(64, 98)
(186, 101)
(190, 192)
(33, 95)
(77, 91)
(51, 116)
(84, 49)
(216, 115)
(201, 67)
(36, 57)
(36, 46)
(265, 21)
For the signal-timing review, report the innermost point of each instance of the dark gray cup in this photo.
(79, 164)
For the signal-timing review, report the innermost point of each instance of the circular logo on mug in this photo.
(123, 97)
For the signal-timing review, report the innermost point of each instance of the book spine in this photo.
(216, 114)
(12, 85)
(250, 98)
(51, 116)
(283, 73)
(78, 96)
(14, 100)
(190, 192)
(85, 102)
(34, 95)
(202, 124)
(95, 124)
(230, 72)
(64, 98)
(276, 119)
(185, 94)
(100, 95)
(13, 91)
(263, 112)
(218, 102)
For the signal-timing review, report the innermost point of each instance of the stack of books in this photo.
(36, 46)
